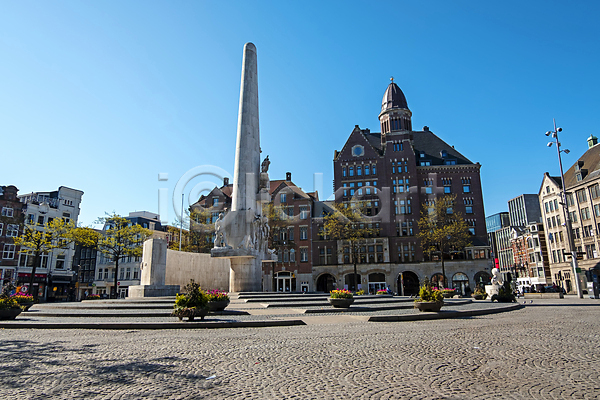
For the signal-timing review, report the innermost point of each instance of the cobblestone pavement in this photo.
(547, 350)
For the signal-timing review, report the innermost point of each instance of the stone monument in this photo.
(154, 267)
(496, 283)
(241, 234)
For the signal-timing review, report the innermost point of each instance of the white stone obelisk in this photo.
(247, 148)
(241, 233)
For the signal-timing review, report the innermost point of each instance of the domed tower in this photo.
(395, 117)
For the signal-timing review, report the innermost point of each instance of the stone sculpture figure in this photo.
(264, 167)
(220, 239)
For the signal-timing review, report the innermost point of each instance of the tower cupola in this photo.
(395, 115)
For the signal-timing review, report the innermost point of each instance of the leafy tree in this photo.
(56, 234)
(349, 224)
(199, 238)
(442, 229)
(119, 239)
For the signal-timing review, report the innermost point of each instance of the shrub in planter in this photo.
(93, 297)
(448, 293)
(505, 294)
(192, 303)
(341, 298)
(480, 294)
(430, 299)
(361, 292)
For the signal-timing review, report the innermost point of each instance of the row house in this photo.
(11, 218)
(55, 278)
(582, 186)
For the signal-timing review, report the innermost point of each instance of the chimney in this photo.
(425, 128)
(288, 176)
(225, 181)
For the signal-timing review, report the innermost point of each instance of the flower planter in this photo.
(218, 305)
(340, 303)
(448, 295)
(434, 306)
(190, 313)
(9, 313)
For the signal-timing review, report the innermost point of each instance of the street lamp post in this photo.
(567, 216)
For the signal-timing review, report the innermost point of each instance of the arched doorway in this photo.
(437, 280)
(285, 281)
(376, 282)
(349, 282)
(325, 283)
(460, 282)
(409, 282)
(482, 278)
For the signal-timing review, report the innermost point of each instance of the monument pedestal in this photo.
(245, 268)
(152, 291)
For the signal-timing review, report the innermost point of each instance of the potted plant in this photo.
(93, 297)
(341, 298)
(9, 308)
(448, 293)
(193, 303)
(217, 300)
(24, 300)
(480, 294)
(382, 292)
(505, 294)
(430, 299)
(361, 292)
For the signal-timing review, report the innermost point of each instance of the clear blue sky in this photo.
(103, 96)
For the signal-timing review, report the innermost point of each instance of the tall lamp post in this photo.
(563, 193)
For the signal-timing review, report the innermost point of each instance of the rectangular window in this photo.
(469, 209)
(344, 171)
(7, 211)
(41, 220)
(303, 254)
(99, 273)
(291, 233)
(374, 169)
(303, 232)
(467, 189)
(351, 171)
(547, 208)
(105, 273)
(570, 201)
(8, 252)
(1, 228)
(215, 201)
(595, 191)
(367, 170)
(581, 196)
(585, 213)
(428, 190)
(128, 273)
(12, 230)
(303, 212)
(283, 198)
(447, 189)
(359, 170)
(292, 255)
(60, 261)
(135, 273)
(573, 215)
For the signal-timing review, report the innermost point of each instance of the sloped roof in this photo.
(589, 161)
(432, 146)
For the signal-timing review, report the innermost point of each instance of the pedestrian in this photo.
(86, 294)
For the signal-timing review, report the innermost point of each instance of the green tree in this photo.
(121, 238)
(199, 238)
(56, 234)
(442, 229)
(348, 223)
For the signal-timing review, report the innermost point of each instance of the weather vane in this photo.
(392, 79)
